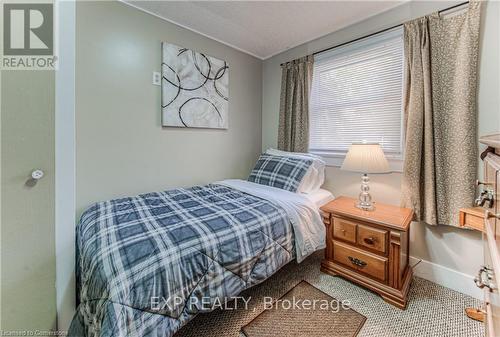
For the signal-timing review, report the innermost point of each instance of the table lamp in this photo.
(365, 158)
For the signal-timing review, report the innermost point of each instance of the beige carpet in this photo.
(305, 311)
(432, 310)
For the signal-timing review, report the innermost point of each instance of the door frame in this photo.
(65, 157)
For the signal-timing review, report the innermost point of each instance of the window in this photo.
(356, 96)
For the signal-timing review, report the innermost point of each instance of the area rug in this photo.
(305, 311)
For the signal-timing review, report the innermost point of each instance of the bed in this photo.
(146, 265)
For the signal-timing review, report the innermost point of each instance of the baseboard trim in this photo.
(446, 277)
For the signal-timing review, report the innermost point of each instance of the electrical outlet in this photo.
(156, 78)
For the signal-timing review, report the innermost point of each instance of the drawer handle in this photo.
(481, 282)
(357, 262)
(369, 241)
(479, 183)
(492, 215)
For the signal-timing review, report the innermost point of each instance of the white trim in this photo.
(65, 208)
(1, 184)
(360, 44)
(446, 277)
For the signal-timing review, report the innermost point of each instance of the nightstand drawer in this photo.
(372, 238)
(369, 264)
(344, 230)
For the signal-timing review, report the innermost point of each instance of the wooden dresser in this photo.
(369, 247)
(487, 277)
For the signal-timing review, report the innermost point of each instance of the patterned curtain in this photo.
(296, 78)
(441, 115)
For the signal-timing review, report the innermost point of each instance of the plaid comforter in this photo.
(145, 263)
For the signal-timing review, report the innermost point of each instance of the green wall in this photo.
(121, 147)
(28, 296)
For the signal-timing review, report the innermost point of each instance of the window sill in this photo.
(336, 160)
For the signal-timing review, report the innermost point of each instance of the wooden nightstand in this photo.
(370, 248)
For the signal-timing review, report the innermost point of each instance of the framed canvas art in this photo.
(195, 89)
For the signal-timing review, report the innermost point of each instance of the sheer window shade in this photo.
(357, 94)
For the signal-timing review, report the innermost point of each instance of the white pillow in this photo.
(315, 175)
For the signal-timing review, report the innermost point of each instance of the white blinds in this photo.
(357, 94)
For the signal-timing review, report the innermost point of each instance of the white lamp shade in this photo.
(365, 158)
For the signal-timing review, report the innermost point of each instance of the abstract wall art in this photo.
(195, 89)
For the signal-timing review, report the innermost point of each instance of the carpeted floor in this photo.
(432, 310)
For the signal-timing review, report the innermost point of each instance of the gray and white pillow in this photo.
(315, 175)
(279, 171)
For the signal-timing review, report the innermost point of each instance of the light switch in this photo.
(156, 78)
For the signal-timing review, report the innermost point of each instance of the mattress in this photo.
(309, 231)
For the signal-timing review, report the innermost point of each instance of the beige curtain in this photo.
(440, 115)
(296, 78)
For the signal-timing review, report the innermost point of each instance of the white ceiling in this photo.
(264, 28)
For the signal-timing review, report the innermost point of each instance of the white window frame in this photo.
(336, 158)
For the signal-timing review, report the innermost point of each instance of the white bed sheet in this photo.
(320, 197)
(304, 214)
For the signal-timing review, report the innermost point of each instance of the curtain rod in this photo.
(380, 31)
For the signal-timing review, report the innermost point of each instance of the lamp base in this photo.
(365, 199)
(365, 207)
